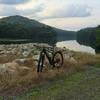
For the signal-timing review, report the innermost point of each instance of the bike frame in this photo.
(47, 55)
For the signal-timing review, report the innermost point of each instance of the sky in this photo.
(65, 14)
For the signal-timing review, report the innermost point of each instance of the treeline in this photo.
(18, 27)
(90, 37)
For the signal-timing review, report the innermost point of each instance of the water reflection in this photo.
(75, 46)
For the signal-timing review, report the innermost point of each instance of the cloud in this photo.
(8, 11)
(13, 1)
(44, 9)
(73, 23)
(75, 10)
(33, 12)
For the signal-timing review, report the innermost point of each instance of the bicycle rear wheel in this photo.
(57, 59)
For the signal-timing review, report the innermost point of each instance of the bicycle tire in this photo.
(56, 62)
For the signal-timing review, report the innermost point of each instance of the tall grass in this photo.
(23, 80)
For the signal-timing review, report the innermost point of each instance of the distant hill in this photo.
(21, 28)
(91, 37)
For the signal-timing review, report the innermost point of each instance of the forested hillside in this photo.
(90, 36)
(18, 27)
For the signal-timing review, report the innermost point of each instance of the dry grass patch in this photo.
(73, 66)
(86, 59)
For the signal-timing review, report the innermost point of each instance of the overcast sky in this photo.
(64, 14)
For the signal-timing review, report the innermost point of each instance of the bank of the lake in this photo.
(75, 46)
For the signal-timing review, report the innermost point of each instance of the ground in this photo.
(77, 79)
(77, 86)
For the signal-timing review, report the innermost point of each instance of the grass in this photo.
(74, 81)
(77, 86)
(86, 59)
(97, 65)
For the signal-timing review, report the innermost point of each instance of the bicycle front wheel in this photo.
(58, 59)
(40, 62)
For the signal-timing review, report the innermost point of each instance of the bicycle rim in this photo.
(58, 59)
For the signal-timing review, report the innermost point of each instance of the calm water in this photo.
(75, 46)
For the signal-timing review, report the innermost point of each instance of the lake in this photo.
(75, 46)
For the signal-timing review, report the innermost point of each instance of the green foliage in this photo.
(87, 36)
(97, 39)
(91, 37)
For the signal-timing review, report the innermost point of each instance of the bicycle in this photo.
(56, 58)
